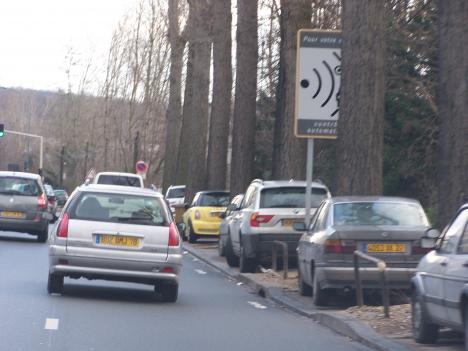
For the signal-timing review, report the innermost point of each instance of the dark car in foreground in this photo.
(23, 204)
(389, 228)
(440, 286)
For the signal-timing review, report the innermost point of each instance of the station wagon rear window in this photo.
(176, 193)
(119, 180)
(119, 208)
(379, 213)
(290, 197)
(19, 186)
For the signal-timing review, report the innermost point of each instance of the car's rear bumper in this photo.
(341, 277)
(261, 245)
(206, 228)
(23, 225)
(147, 271)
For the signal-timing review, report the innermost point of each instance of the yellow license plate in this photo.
(287, 222)
(11, 214)
(117, 240)
(386, 248)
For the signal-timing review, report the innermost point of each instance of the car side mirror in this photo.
(300, 226)
(181, 227)
(222, 215)
(428, 243)
(432, 233)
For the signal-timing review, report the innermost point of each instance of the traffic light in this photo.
(2, 130)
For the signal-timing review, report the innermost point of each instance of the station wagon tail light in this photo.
(340, 246)
(173, 235)
(416, 249)
(62, 230)
(197, 214)
(256, 219)
(41, 201)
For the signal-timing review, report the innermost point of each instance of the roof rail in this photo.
(258, 180)
(320, 181)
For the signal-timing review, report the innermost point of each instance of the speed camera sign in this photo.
(318, 74)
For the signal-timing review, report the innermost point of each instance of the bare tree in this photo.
(453, 107)
(288, 151)
(243, 141)
(360, 129)
(222, 89)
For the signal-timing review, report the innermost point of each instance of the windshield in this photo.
(120, 208)
(379, 213)
(290, 197)
(19, 186)
(119, 180)
(175, 193)
(214, 200)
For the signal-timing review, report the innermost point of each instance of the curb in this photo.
(337, 321)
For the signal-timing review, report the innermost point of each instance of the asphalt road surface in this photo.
(212, 313)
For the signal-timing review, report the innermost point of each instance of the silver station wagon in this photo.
(116, 233)
(389, 228)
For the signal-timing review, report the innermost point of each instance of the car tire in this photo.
(192, 237)
(304, 288)
(169, 291)
(246, 265)
(424, 332)
(43, 235)
(231, 258)
(319, 296)
(221, 247)
(55, 283)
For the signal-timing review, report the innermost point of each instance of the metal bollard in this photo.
(274, 257)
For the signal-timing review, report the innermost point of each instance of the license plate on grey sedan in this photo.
(386, 248)
(117, 240)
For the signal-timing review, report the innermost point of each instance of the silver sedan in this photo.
(116, 233)
(389, 228)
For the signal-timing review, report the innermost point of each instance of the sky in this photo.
(36, 35)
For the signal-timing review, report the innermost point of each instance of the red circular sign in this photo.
(141, 166)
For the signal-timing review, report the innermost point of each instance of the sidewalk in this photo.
(285, 293)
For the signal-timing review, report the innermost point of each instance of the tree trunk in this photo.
(289, 152)
(174, 110)
(222, 90)
(195, 116)
(453, 107)
(360, 128)
(243, 133)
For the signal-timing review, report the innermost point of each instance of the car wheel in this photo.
(43, 235)
(424, 332)
(304, 288)
(169, 291)
(221, 248)
(231, 258)
(55, 283)
(246, 265)
(319, 295)
(192, 237)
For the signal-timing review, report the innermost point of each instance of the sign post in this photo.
(141, 168)
(318, 73)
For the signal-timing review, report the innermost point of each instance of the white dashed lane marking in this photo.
(51, 324)
(256, 305)
(199, 271)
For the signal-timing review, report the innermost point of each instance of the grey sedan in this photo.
(116, 233)
(389, 228)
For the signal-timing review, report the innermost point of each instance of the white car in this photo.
(116, 233)
(175, 195)
(119, 178)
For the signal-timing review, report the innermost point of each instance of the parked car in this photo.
(51, 201)
(440, 286)
(116, 233)
(267, 213)
(62, 197)
(202, 217)
(23, 204)
(119, 178)
(227, 219)
(175, 195)
(389, 228)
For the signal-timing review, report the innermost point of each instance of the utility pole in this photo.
(135, 148)
(62, 154)
(86, 159)
(106, 144)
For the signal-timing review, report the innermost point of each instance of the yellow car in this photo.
(202, 217)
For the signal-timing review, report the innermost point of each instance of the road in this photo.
(212, 313)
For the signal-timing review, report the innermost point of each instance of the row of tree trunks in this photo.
(288, 151)
(222, 90)
(243, 134)
(453, 107)
(174, 110)
(360, 130)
